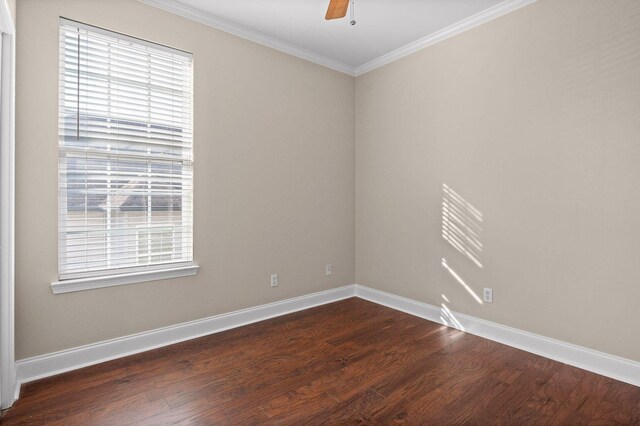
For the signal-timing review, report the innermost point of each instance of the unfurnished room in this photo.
(319, 212)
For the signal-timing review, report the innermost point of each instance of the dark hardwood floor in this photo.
(343, 363)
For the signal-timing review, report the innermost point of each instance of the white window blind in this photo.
(126, 161)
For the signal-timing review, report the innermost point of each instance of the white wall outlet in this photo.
(274, 280)
(488, 295)
(327, 269)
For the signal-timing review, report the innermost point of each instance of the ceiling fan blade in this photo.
(337, 9)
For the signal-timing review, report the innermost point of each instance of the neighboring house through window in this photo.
(126, 160)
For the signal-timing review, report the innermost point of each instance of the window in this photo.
(126, 160)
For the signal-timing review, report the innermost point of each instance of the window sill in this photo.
(80, 284)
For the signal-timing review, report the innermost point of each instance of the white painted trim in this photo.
(7, 203)
(612, 366)
(90, 283)
(450, 31)
(7, 25)
(249, 34)
(266, 40)
(71, 359)
(110, 35)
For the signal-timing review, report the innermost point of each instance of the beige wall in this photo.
(534, 120)
(274, 180)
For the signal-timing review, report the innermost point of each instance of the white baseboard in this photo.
(601, 363)
(71, 359)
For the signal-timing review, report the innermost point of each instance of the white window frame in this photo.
(107, 278)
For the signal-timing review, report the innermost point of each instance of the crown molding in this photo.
(445, 33)
(265, 40)
(248, 34)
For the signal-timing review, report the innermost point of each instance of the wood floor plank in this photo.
(349, 362)
(297, 406)
(201, 411)
(353, 411)
(353, 378)
(428, 395)
(129, 410)
(553, 394)
(621, 405)
(470, 403)
(581, 406)
(508, 407)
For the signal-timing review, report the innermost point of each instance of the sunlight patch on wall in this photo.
(449, 319)
(460, 281)
(461, 225)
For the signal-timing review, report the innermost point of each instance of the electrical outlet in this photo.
(274, 280)
(327, 269)
(488, 295)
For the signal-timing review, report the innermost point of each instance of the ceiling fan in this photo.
(338, 9)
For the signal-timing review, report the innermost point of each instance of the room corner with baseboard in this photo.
(327, 212)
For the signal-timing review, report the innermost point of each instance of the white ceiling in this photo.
(299, 27)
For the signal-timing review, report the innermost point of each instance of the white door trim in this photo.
(7, 202)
